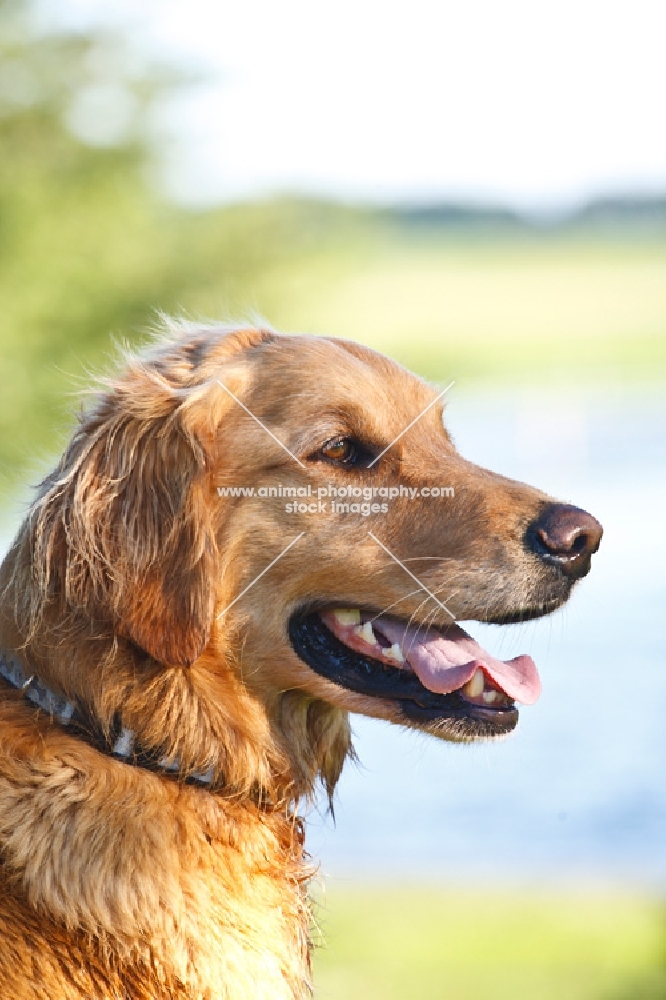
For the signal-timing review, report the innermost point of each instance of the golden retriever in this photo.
(178, 660)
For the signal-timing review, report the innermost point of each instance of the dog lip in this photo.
(487, 721)
(524, 614)
(315, 644)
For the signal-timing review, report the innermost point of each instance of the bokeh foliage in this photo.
(87, 248)
(90, 249)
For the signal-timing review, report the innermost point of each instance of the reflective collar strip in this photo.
(65, 712)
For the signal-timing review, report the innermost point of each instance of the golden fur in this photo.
(121, 883)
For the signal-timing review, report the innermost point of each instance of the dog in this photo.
(249, 536)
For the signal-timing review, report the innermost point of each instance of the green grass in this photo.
(543, 307)
(95, 256)
(403, 943)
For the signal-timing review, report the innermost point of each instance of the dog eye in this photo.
(345, 451)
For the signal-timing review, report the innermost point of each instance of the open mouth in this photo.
(434, 675)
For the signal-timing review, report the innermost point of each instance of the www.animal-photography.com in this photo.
(332, 466)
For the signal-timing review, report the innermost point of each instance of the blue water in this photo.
(579, 790)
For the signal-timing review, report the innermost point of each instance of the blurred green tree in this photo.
(88, 246)
(80, 246)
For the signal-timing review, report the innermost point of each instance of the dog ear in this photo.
(163, 543)
(123, 531)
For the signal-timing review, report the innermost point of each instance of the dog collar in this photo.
(121, 744)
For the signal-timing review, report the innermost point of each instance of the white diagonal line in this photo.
(259, 575)
(418, 417)
(415, 578)
(291, 454)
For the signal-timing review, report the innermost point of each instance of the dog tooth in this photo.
(347, 616)
(394, 653)
(490, 696)
(365, 632)
(475, 684)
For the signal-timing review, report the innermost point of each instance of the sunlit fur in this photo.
(121, 883)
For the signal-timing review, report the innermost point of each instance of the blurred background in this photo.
(478, 190)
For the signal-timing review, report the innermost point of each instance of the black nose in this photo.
(566, 536)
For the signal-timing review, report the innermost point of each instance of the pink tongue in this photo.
(445, 660)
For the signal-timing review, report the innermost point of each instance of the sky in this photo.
(536, 105)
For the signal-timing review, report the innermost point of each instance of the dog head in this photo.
(251, 535)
